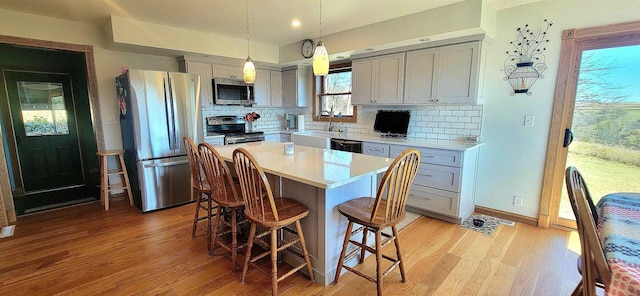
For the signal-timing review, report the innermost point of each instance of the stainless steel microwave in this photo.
(232, 92)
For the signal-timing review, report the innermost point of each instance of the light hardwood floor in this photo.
(84, 250)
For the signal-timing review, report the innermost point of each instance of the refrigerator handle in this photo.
(176, 116)
(169, 112)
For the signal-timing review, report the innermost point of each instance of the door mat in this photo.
(490, 224)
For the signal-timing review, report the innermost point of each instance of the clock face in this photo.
(307, 48)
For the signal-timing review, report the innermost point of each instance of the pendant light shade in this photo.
(320, 55)
(320, 60)
(249, 70)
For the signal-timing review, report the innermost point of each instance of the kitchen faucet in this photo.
(330, 114)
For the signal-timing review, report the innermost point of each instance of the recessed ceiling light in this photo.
(424, 39)
(295, 23)
(369, 49)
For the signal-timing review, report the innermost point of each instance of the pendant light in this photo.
(320, 55)
(249, 71)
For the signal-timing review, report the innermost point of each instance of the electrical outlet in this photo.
(517, 201)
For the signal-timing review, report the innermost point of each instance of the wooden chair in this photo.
(386, 210)
(225, 194)
(592, 264)
(200, 191)
(272, 214)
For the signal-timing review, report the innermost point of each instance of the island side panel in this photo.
(325, 227)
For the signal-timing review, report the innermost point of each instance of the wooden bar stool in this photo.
(386, 210)
(200, 191)
(272, 214)
(105, 187)
(226, 195)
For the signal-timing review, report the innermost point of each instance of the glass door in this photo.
(606, 124)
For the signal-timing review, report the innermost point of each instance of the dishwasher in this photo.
(346, 145)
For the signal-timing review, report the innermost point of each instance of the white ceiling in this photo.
(269, 20)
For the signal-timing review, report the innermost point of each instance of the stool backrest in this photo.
(594, 262)
(255, 187)
(194, 163)
(394, 188)
(217, 173)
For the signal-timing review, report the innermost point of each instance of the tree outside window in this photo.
(335, 92)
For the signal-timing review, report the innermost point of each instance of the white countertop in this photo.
(322, 168)
(408, 141)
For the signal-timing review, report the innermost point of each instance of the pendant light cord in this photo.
(320, 20)
(246, 2)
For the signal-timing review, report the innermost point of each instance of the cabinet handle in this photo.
(429, 156)
(429, 176)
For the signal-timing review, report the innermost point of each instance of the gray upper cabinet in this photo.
(421, 76)
(459, 73)
(205, 71)
(296, 87)
(262, 88)
(276, 88)
(225, 71)
(378, 80)
(443, 75)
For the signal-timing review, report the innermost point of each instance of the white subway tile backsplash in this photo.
(452, 122)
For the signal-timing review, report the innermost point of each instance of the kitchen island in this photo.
(320, 179)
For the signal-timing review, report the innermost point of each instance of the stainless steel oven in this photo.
(233, 129)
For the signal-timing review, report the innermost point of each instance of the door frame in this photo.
(94, 105)
(574, 41)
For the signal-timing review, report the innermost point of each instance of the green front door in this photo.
(44, 123)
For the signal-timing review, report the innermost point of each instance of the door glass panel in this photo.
(606, 123)
(43, 108)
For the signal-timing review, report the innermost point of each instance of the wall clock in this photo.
(307, 48)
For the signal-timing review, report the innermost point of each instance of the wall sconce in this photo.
(525, 63)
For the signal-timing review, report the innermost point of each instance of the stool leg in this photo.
(274, 262)
(378, 261)
(104, 186)
(347, 235)
(197, 214)
(252, 233)
(364, 243)
(211, 246)
(396, 239)
(125, 176)
(304, 250)
(234, 238)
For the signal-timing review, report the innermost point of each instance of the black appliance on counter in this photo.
(392, 123)
(233, 129)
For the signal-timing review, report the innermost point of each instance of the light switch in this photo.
(528, 120)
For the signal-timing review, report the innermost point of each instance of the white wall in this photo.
(108, 62)
(512, 160)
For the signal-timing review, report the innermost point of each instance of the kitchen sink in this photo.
(319, 139)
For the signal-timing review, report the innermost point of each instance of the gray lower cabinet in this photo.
(278, 137)
(446, 182)
(215, 141)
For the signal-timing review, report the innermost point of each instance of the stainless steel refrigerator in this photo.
(157, 109)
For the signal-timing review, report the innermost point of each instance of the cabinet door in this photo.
(272, 137)
(375, 149)
(459, 73)
(205, 71)
(262, 88)
(361, 82)
(421, 76)
(224, 71)
(276, 88)
(290, 87)
(389, 82)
